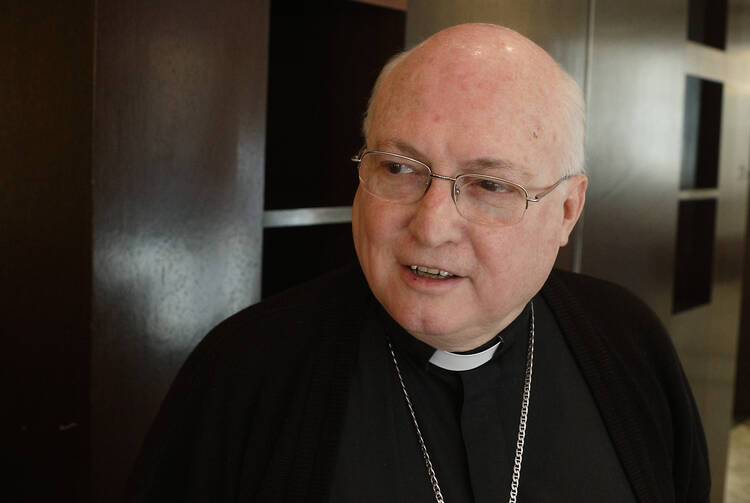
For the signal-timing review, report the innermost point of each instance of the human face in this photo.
(462, 120)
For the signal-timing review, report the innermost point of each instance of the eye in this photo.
(398, 168)
(491, 186)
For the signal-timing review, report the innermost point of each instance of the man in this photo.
(454, 365)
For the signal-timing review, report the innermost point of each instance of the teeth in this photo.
(428, 272)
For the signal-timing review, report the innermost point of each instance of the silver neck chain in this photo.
(521, 423)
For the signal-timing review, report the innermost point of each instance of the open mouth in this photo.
(428, 272)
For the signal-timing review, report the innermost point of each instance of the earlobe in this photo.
(573, 205)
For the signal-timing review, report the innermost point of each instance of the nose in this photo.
(436, 220)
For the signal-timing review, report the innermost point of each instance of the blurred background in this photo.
(166, 163)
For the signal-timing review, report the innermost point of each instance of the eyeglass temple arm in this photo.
(536, 198)
(358, 156)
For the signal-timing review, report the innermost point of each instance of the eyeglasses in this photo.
(478, 198)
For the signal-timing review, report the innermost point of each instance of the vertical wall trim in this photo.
(578, 238)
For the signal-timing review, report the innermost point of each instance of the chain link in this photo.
(524, 413)
(521, 424)
(428, 463)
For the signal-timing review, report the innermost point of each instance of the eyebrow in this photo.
(482, 165)
(403, 148)
(485, 164)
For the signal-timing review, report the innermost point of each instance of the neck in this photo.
(469, 339)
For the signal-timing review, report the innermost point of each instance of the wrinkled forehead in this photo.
(503, 90)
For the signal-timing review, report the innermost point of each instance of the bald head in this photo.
(481, 66)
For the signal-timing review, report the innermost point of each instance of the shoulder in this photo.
(602, 303)
(595, 291)
(249, 376)
(595, 313)
(289, 324)
(631, 365)
(614, 331)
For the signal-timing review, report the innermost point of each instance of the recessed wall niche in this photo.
(293, 255)
(707, 22)
(323, 60)
(701, 133)
(694, 254)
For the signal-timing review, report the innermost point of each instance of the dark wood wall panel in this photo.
(179, 135)
(45, 220)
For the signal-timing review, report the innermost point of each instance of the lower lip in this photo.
(427, 284)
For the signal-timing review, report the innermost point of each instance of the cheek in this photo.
(542, 245)
(518, 258)
(543, 242)
(361, 229)
(372, 228)
(502, 259)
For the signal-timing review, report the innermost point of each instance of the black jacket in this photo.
(237, 426)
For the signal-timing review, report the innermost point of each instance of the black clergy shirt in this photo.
(469, 421)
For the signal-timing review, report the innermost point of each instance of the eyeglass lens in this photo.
(478, 198)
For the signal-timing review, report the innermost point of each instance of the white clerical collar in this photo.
(458, 362)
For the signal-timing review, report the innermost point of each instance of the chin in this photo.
(422, 322)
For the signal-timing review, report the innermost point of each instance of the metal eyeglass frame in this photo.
(358, 159)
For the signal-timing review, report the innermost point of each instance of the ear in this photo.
(573, 205)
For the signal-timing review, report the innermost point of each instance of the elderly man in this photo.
(454, 364)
